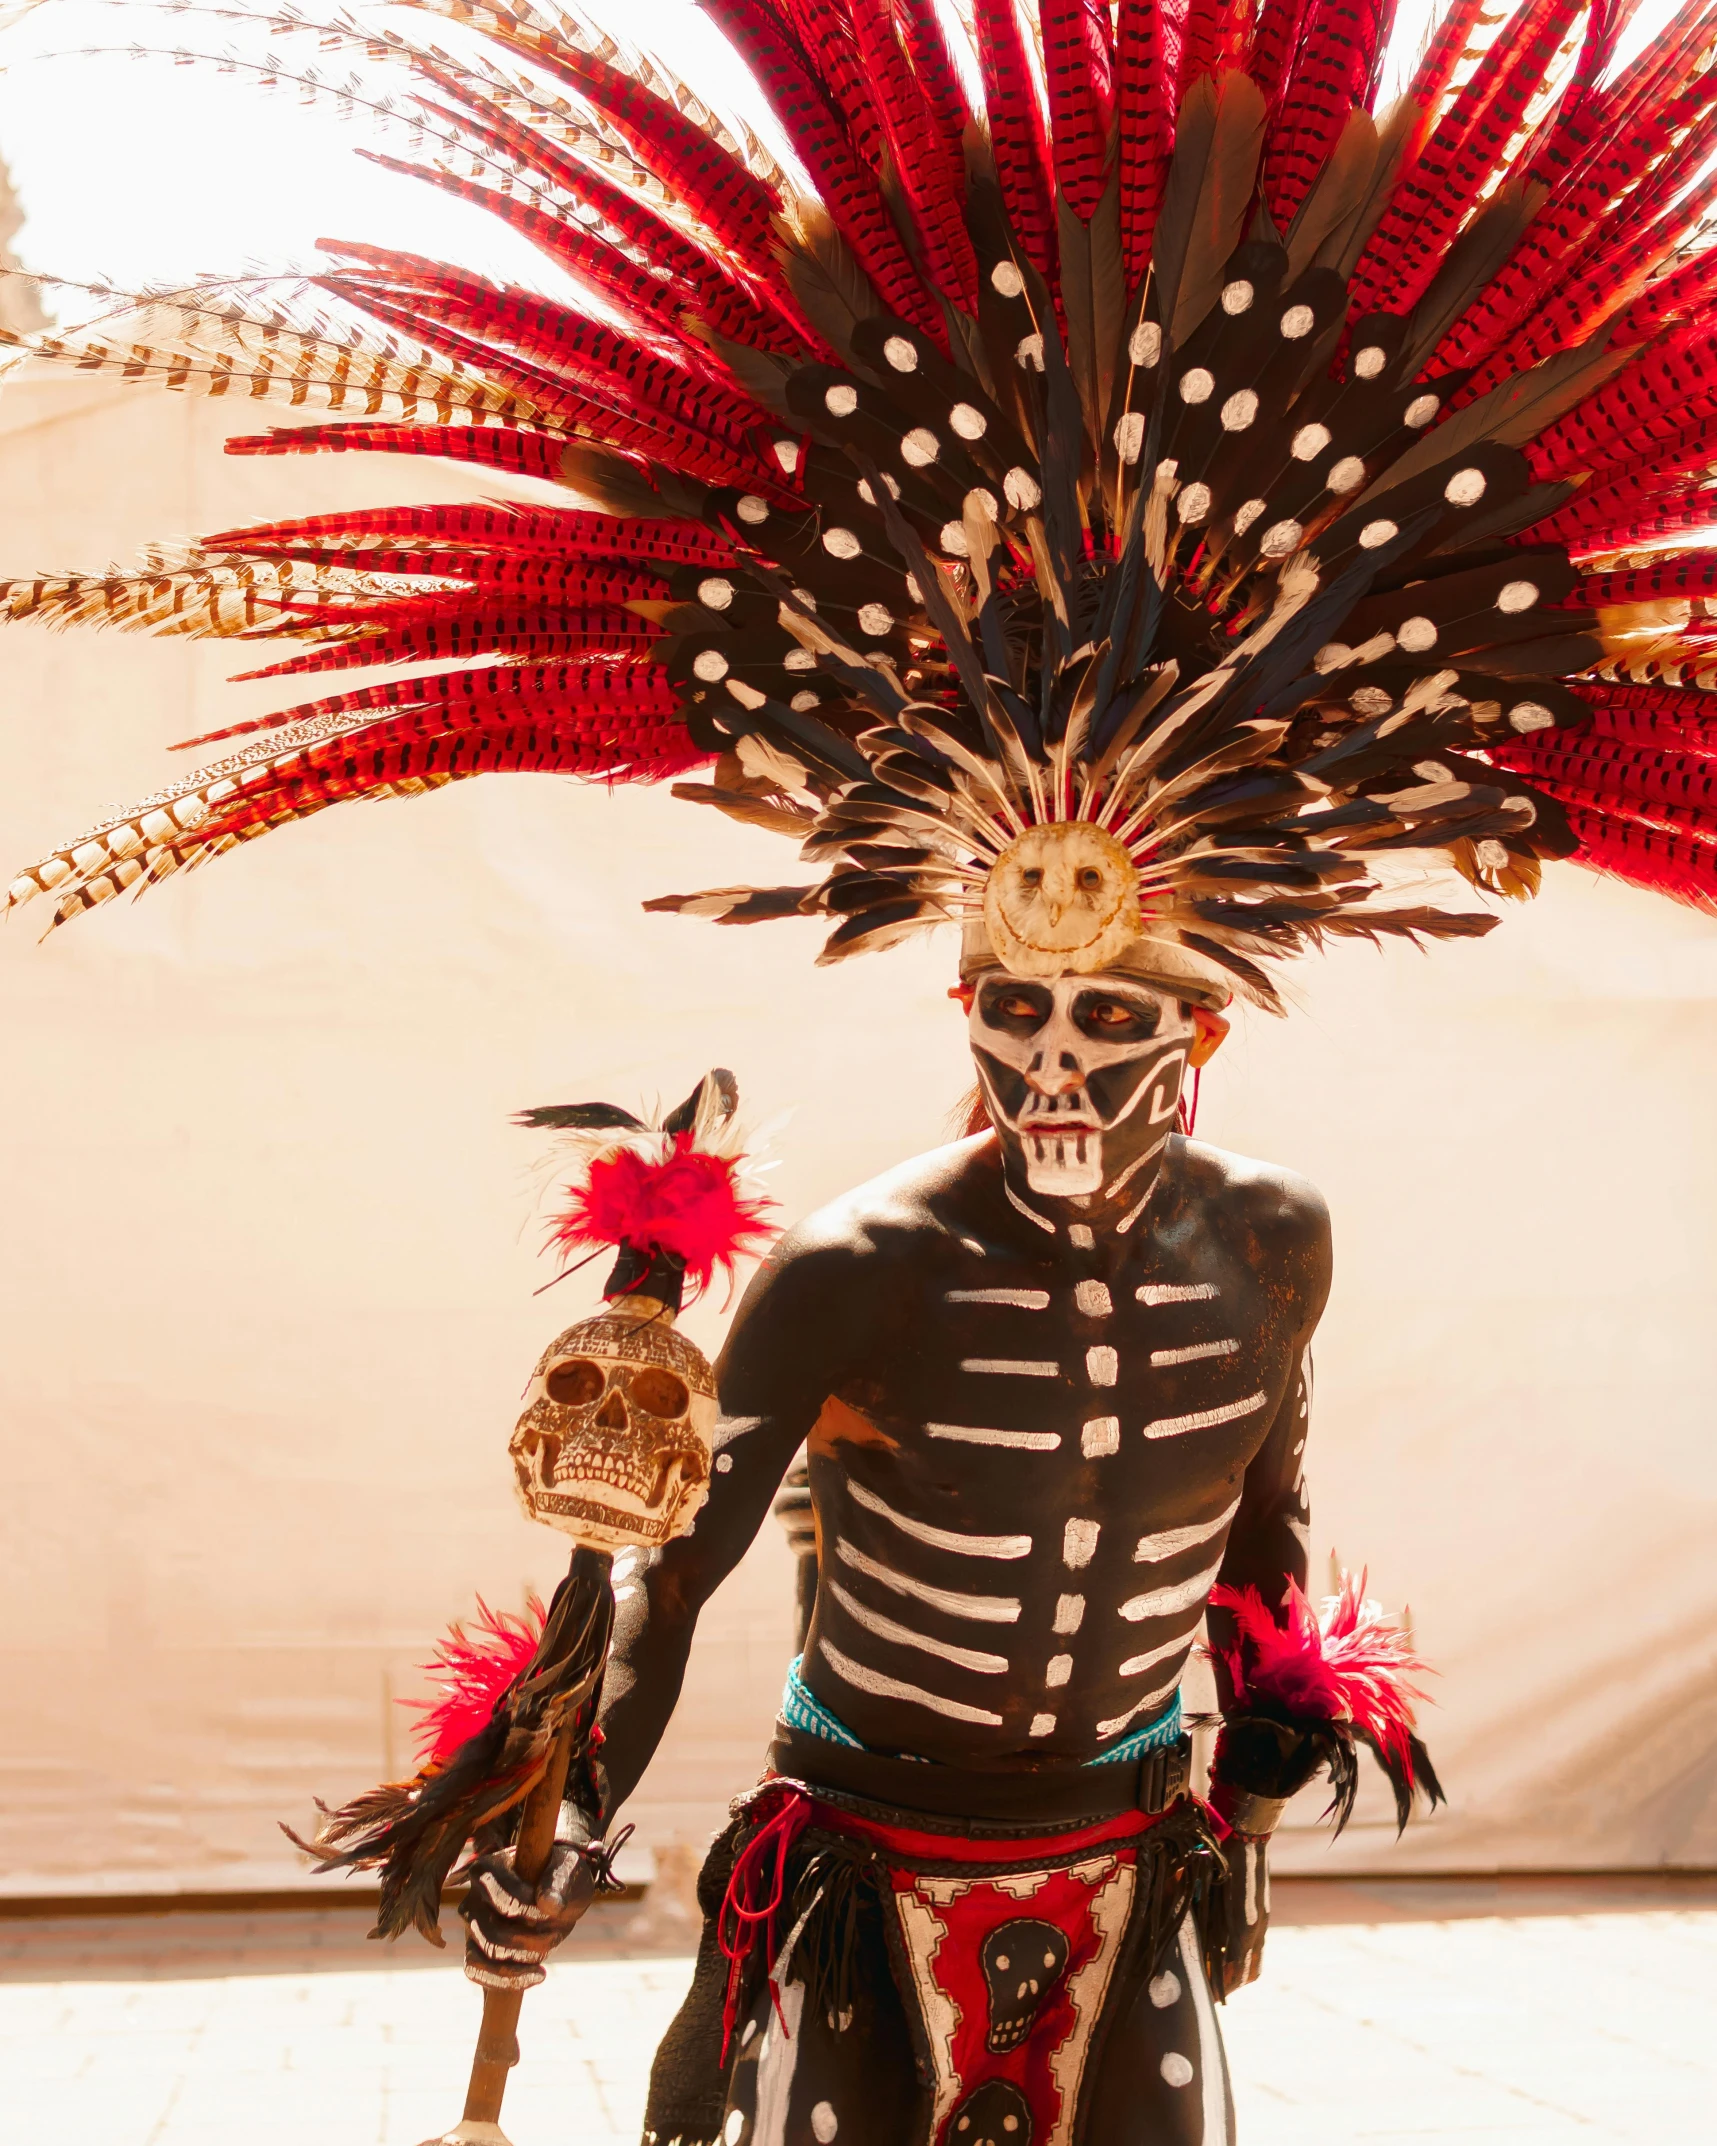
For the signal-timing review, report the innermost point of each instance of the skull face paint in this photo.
(614, 1443)
(1081, 1076)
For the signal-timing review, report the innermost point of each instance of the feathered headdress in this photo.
(1308, 1687)
(1129, 488)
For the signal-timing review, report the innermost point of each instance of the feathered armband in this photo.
(1306, 1691)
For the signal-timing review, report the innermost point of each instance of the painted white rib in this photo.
(1175, 1292)
(1010, 1367)
(1030, 1213)
(1170, 1601)
(980, 1434)
(1136, 1664)
(1149, 1704)
(1102, 1365)
(1003, 1546)
(1205, 1419)
(981, 1609)
(881, 1687)
(1101, 1435)
(1197, 1353)
(1020, 1299)
(987, 1665)
(1093, 1299)
(1168, 1542)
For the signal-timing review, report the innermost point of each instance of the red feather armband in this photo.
(1306, 1691)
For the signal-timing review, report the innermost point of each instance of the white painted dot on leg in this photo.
(1164, 1989)
(1176, 2069)
(749, 2030)
(824, 2123)
(733, 2127)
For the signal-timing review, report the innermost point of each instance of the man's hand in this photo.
(511, 1928)
(1247, 1897)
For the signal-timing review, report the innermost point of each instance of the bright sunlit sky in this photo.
(136, 170)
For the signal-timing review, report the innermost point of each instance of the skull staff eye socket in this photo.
(659, 1393)
(577, 1383)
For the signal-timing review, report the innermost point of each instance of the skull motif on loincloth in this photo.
(1023, 1961)
(997, 2114)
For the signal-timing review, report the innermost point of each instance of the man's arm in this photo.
(1268, 1543)
(789, 1347)
(786, 1350)
(1268, 1546)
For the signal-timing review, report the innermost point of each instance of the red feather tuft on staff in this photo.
(687, 1205)
(471, 1669)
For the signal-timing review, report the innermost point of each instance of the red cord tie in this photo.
(755, 1895)
(1186, 1110)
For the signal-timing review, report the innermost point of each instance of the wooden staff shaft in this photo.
(498, 2037)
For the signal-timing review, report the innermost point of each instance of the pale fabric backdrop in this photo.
(272, 1248)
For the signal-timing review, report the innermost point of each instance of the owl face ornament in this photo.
(1081, 1076)
(614, 1443)
(1061, 897)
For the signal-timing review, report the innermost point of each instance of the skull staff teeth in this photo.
(614, 1441)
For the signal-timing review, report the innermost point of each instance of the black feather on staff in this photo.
(515, 1733)
(415, 1831)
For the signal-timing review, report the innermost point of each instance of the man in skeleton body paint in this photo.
(1052, 1382)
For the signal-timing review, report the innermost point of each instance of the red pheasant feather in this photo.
(1122, 431)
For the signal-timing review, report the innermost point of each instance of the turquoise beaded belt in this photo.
(801, 1711)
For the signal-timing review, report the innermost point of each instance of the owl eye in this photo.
(1090, 879)
(576, 1383)
(658, 1392)
(1032, 876)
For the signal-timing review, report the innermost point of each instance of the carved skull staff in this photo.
(613, 1448)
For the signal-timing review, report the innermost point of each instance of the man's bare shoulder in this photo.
(917, 1200)
(1274, 1205)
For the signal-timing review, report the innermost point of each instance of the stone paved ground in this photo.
(1513, 2015)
